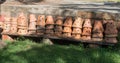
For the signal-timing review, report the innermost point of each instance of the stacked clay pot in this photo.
(1, 21)
(67, 30)
(111, 32)
(13, 25)
(7, 25)
(77, 28)
(86, 34)
(32, 24)
(49, 27)
(98, 30)
(41, 25)
(22, 24)
(58, 26)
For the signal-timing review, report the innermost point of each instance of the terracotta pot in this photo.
(97, 39)
(65, 34)
(32, 18)
(97, 35)
(111, 40)
(87, 23)
(49, 20)
(78, 22)
(32, 32)
(68, 21)
(76, 36)
(67, 29)
(22, 31)
(77, 30)
(32, 26)
(59, 20)
(41, 20)
(13, 30)
(58, 34)
(86, 37)
(86, 31)
(58, 28)
(98, 27)
(111, 29)
(49, 26)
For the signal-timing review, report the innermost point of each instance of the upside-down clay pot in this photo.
(87, 23)
(67, 29)
(49, 26)
(22, 31)
(66, 34)
(68, 21)
(76, 36)
(49, 20)
(32, 18)
(86, 37)
(32, 32)
(13, 29)
(41, 20)
(32, 25)
(77, 30)
(78, 22)
(86, 31)
(59, 20)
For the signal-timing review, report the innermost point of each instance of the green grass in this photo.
(30, 52)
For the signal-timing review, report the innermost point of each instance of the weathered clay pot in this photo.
(77, 30)
(86, 31)
(78, 22)
(97, 39)
(86, 37)
(76, 36)
(58, 28)
(97, 35)
(65, 34)
(58, 34)
(32, 18)
(41, 20)
(40, 27)
(98, 27)
(87, 23)
(111, 29)
(111, 40)
(22, 31)
(49, 20)
(32, 26)
(13, 29)
(68, 21)
(59, 20)
(67, 29)
(50, 26)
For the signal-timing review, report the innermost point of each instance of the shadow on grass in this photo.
(61, 54)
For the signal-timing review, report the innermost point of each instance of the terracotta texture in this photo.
(58, 28)
(67, 29)
(86, 31)
(76, 36)
(77, 30)
(22, 31)
(32, 26)
(32, 32)
(87, 23)
(40, 32)
(32, 18)
(59, 20)
(49, 26)
(86, 37)
(66, 34)
(58, 34)
(41, 20)
(49, 20)
(68, 21)
(78, 22)
(111, 40)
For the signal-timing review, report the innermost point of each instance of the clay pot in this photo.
(98, 27)
(77, 30)
(22, 31)
(68, 21)
(97, 39)
(65, 34)
(49, 20)
(97, 35)
(76, 36)
(41, 20)
(86, 37)
(32, 18)
(13, 29)
(111, 29)
(32, 26)
(78, 22)
(67, 29)
(59, 20)
(86, 31)
(32, 32)
(87, 23)
(58, 28)
(49, 26)
(40, 27)
(58, 34)
(111, 40)
(6, 26)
